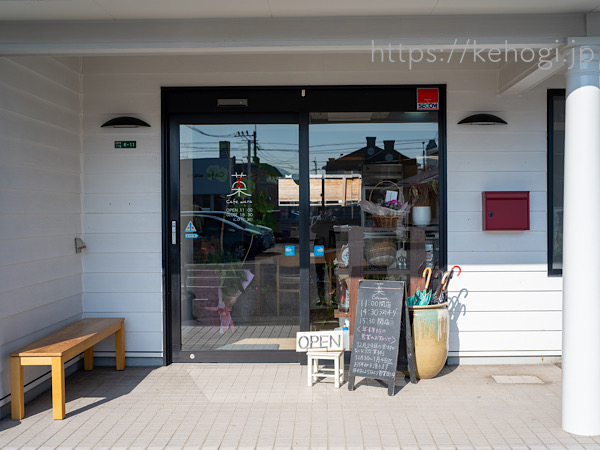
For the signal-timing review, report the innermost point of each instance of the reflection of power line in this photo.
(318, 145)
(195, 128)
(209, 147)
(280, 162)
(278, 154)
(266, 146)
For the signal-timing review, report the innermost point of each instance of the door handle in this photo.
(173, 232)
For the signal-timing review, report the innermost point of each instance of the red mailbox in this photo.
(505, 210)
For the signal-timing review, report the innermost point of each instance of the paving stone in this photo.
(269, 405)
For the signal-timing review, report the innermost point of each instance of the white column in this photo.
(581, 241)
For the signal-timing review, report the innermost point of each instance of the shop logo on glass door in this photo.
(239, 203)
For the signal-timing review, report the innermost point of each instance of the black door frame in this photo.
(266, 105)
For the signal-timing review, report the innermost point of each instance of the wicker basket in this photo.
(391, 220)
(381, 254)
(385, 221)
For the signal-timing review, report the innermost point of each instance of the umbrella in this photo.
(441, 294)
(422, 297)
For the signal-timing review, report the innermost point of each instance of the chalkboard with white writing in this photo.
(380, 309)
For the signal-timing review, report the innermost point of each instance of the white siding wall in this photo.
(122, 211)
(40, 203)
(504, 303)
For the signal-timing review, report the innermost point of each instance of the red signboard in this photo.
(428, 99)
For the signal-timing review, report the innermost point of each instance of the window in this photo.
(556, 151)
(370, 158)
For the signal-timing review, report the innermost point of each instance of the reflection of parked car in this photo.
(239, 237)
(288, 224)
(268, 240)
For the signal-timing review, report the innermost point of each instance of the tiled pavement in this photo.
(270, 406)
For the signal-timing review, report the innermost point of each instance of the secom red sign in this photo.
(428, 99)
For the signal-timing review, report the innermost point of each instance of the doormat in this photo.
(517, 379)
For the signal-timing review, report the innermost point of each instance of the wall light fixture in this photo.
(125, 122)
(482, 119)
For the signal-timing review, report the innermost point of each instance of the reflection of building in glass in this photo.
(340, 190)
(374, 161)
(344, 176)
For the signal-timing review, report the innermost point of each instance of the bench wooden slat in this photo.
(73, 339)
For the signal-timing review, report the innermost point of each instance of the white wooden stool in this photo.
(313, 366)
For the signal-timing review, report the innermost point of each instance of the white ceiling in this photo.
(19, 10)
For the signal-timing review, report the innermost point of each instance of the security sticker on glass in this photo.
(290, 250)
(319, 250)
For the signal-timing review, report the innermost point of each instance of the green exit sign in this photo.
(125, 144)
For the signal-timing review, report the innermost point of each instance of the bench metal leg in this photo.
(17, 396)
(88, 359)
(58, 388)
(120, 347)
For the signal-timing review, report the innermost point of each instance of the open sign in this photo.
(321, 340)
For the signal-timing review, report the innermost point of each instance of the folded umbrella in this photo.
(441, 294)
(422, 297)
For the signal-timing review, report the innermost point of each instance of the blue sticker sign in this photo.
(191, 235)
(319, 250)
(290, 250)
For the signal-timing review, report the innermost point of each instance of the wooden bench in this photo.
(56, 349)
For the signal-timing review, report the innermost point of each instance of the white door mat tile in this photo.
(517, 379)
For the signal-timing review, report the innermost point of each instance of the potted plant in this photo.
(219, 280)
(233, 280)
(419, 195)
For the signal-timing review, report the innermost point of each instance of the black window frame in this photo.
(552, 94)
(286, 104)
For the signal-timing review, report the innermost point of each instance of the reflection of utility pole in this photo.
(322, 187)
(249, 161)
(245, 135)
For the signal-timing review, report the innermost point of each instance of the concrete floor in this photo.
(271, 406)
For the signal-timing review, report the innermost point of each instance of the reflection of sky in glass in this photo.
(334, 140)
(277, 144)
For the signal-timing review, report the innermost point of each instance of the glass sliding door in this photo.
(239, 229)
(266, 224)
(370, 173)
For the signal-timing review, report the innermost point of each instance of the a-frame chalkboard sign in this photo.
(380, 309)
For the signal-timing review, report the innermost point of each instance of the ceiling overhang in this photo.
(445, 35)
(118, 10)
(331, 34)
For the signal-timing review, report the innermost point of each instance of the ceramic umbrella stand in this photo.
(430, 335)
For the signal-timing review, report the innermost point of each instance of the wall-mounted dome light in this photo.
(125, 122)
(482, 119)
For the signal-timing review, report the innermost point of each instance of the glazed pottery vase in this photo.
(430, 338)
(421, 215)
